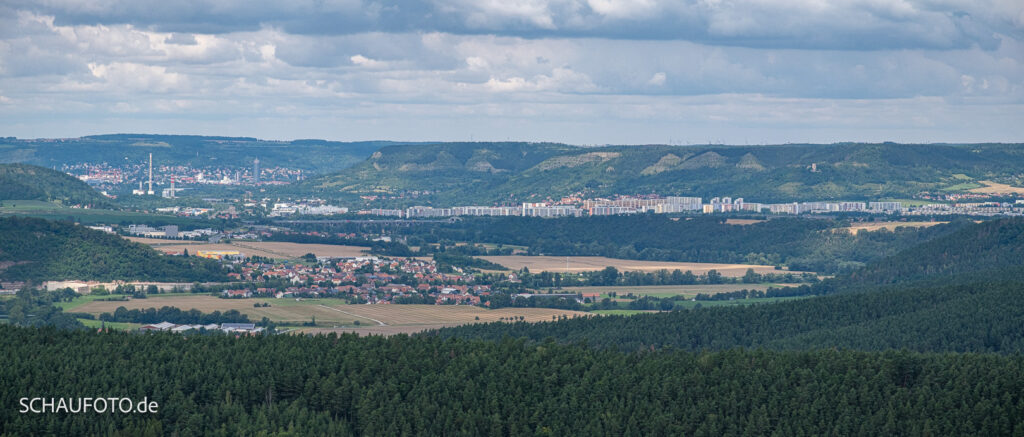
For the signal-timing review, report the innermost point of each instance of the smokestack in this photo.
(150, 173)
(256, 171)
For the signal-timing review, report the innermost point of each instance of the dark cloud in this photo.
(565, 70)
(853, 25)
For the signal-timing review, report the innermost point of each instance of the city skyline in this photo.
(573, 71)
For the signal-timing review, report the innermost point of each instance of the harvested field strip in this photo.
(997, 188)
(346, 312)
(668, 290)
(269, 249)
(332, 311)
(889, 225)
(592, 263)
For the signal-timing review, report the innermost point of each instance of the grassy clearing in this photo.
(620, 312)
(121, 326)
(81, 300)
(516, 250)
(84, 299)
(965, 186)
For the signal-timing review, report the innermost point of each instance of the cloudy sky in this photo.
(576, 71)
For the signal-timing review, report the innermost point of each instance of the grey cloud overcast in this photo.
(579, 71)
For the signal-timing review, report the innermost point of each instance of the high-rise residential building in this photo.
(150, 191)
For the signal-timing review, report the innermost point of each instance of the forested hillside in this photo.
(953, 318)
(29, 182)
(962, 293)
(485, 173)
(36, 250)
(439, 171)
(989, 245)
(291, 385)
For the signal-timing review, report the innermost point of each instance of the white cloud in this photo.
(137, 77)
(658, 79)
(363, 61)
(559, 80)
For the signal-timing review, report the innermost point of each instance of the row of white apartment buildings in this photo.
(524, 210)
(634, 205)
(825, 207)
(623, 205)
(630, 205)
(284, 208)
(971, 208)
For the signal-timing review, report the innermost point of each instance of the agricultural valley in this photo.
(903, 301)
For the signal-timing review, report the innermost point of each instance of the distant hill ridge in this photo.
(30, 182)
(196, 150)
(495, 172)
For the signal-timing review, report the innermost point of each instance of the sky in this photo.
(573, 71)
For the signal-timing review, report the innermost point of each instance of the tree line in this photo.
(174, 315)
(400, 385)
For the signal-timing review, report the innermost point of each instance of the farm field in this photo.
(79, 301)
(269, 249)
(592, 263)
(335, 312)
(742, 222)
(668, 290)
(890, 226)
(997, 188)
(193, 247)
